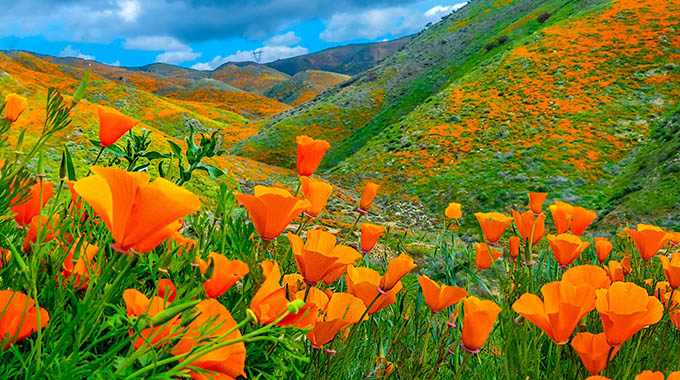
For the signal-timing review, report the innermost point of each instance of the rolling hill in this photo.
(304, 86)
(499, 98)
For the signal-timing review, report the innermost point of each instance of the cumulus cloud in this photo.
(277, 47)
(177, 57)
(373, 23)
(71, 52)
(174, 51)
(102, 21)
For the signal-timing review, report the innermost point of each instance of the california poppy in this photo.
(367, 197)
(272, 209)
(317, 193)
(293, 282)
(48, 228)
(562, 216)
(593, 350)
(180, 243)
(397, 268)
(439, 297)
(674, 310)
(309, 154)
(370, 233)
(493, 225)
(166, 289)
(536, 202)
(270, 302)
(514, 246)
(580, 219)
(671, 269)
(566, 248)
(649, 375)
(528, 223)
(363, 282)
(615, 271)
(603, 248)
(343, 310)
(478, 320)
(625, 309)
(14, 107)
(453, 211)
(381, 364)
(485, 255)
(315, 296)
(224, 275)
(113, 125)
(213, 320)
(562, 308)
(319, 258)
(591, 275)
(625, 264)
(137, 304)
(19, 317)
(31, 206)
(139, 215)
(648, 239)
(83, 266)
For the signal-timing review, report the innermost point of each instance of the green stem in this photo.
(349, 233)
(462, 365)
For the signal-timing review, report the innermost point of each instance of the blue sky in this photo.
(206, 33)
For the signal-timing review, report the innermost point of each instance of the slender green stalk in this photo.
(466, 355)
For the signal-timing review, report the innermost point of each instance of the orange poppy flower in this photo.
(139, 215)
(525, 225)
(181, 243)
(363, 282)
(615, 271)
(19, 317)
(383, 364)
(485, 256)
(317, 193)
(213, 320)
(32, 205)
(5, 256)
(625, 264)
(137, 304)
(82, 267)
(514, 246)
(673, 238)
(580, 219)
(591, 275)
(478, 319)
(453, 211)
(674, 376)
(598, 377)
(270, 301)
(649, 375)
(674, 308)
(368, 196)
(294, 282)
(625, 309)
(536, 202)
(319, 258)
(566, 248)
(603, 248)
(493, 225)
(396, 270)
(648, 239)
(272, 209)
(562, 216)
(113, 125)
(593, 351)
(225, 273)
(671, 269)
(562, 308)
(439, 297)
(309, 154)
(14, 107)
(342, 311)
(166, 289)
(48, 227)
(315, 296)
(370, 233)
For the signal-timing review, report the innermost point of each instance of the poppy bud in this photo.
(169, 313)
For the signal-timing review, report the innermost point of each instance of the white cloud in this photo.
(211, 65)
(116, 64)
(129, 10)
(374, 23)
(177, 57)
(154, 43)
(286, 39)
(71, 52)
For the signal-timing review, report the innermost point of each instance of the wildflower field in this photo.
(118, 275)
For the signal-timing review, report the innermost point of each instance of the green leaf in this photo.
(96, 143)
(80, 92)
(70, 169)
(153, 155)
(175, 148)
(212, 171)
(115, 150)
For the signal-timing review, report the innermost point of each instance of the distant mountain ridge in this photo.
(349, 59)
